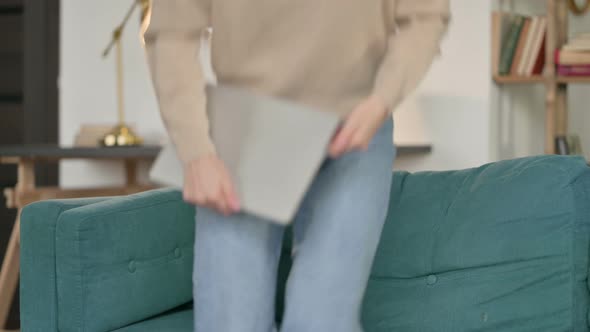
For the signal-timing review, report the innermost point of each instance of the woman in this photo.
(359, 58)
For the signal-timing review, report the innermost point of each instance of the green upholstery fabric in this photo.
(37, 256)
(503, 247)
(499, 248)
(123, 260)
(179, 321)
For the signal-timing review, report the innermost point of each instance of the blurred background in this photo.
(57, 90)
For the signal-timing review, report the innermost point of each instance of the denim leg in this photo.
(235, 272)
(336, 234)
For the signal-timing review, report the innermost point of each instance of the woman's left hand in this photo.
(359, 127)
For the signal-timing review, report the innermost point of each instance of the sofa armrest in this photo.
(38, 295)
(123, 260)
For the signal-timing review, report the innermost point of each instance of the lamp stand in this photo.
(121, 134)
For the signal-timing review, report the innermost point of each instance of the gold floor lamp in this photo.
(122, 134)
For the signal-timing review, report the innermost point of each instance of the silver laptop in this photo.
(273, 148)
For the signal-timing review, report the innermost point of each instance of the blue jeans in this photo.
(335, 236)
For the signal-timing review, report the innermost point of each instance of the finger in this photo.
(335, 145)
(343, 137)
(211, 206)
(214, 202)
(196, 193)
(365, 135)
(198, 197)
(221, 205)
(211, 190)
(360, 140)
(229, 192)
(231, 197)
(217, 197)
(356, 144)
(186, 194)
(188, 191)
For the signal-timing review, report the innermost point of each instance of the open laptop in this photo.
(273, 148)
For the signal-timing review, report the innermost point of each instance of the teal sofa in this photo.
(502, 247)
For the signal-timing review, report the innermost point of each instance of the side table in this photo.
(26, 192)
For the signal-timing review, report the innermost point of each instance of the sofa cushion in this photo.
(38, 294)
(503, 247)
(123, 260)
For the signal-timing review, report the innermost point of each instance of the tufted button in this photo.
(131, 266)
(431, 279)
(177, 252)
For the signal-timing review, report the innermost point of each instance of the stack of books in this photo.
(90, 135)
(573, 59)
(518, 44)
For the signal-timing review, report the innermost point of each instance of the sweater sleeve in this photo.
(172, 43)
(415, 28)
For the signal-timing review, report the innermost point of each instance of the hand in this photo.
(360, 127)
(207, 183)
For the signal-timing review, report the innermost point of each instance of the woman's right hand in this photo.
(207, 183)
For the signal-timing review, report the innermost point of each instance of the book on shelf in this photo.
(575, 70)
(536, 61)
(577, 47)
(500, 26)
(572, 58)
(579, 43)
(510, 43)
(575, 55)
(518, 44)
(523, 39)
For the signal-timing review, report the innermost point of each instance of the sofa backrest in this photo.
(500, 247)
(95, 265)
(503, 247)
(107, 276)
(38, 292)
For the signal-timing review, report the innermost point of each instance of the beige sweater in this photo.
(329, 54)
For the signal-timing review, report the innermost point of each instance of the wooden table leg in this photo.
(9, 272)
(26, 175)
(11, 264)
(131, 172)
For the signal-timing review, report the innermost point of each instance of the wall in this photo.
(451, 108)
(453, 102)
(579, 95)
(87, 81)
(522, 108)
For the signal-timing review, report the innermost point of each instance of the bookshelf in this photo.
(556, 87)
(499, 79)
(573, 80)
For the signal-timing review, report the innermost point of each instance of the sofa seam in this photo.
(575, 198)
(80, 319)
(572, 261)
(444, 220)
(82, 284)
(61, 210)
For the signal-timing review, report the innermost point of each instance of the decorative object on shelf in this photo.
(122, 134)
(579, 9)
(561, 146)
(575, 145)
(568, 145)
(91, 135)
